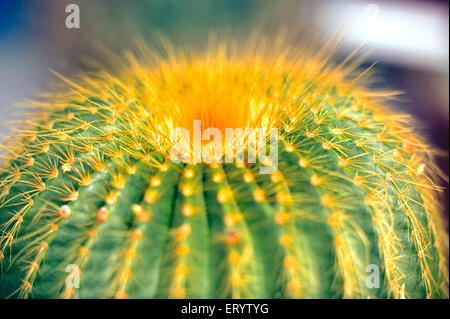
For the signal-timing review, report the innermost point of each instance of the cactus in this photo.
(89, 193)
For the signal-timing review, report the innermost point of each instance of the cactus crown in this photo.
(88, 191)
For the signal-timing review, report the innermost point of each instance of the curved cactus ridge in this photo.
(91, 206)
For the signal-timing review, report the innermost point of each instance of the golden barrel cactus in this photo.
(93, 206)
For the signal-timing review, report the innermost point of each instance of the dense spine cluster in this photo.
(89, 191)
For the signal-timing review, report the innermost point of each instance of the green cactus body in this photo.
(89, 184)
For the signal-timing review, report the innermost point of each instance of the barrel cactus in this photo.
(93, 206)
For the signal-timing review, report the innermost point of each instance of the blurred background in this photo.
(408, 39)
